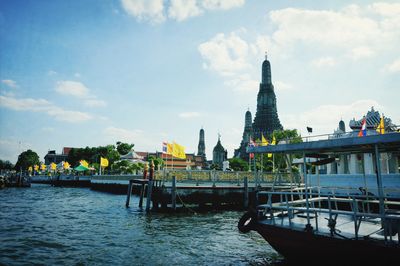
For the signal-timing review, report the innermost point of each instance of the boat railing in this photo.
(360, 209)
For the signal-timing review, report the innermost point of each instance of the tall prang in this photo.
(247, 134)
(201, 148)
(266, 119)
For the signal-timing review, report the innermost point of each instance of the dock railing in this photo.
(360, 209)
(215, 177)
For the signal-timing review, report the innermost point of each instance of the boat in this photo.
(311, 225)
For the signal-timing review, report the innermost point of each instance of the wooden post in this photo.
(149, 190)
(173, 192)
(128, 195)
(141, 196)
(246, 193)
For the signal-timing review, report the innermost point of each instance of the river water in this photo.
(76, 226)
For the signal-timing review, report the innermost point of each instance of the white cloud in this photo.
(354, 30)
(124, 135)
(154, 11)
(385, 9)
(324, 62)
(189, 114)
(10, 83)
(79, 90)
(183, 9)
(393, 67)
(242, 83)
(145, 10)
(225, 54)
(324, 119)
(222, 4)
(72, 88)
(282, 86)
(95, 103)
(361, 52)
(42, 105)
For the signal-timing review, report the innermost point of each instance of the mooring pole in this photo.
(128, 195)
(141, 196)
(246, 192)
(379, 183)
(173, 192)
(149, 190)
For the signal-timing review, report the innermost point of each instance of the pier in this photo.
(204, 189)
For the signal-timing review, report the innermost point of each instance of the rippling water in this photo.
(76, 226)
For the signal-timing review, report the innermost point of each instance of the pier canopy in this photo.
(389, 142)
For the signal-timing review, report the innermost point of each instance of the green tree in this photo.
(289, 136)
(238, 164)
(26, 159)
(125, 167)
(6, 165)
(124, 148)
(158, 162)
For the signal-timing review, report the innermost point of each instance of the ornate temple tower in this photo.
(201, 148)
(219, 153)
(266, 119)
(247, 133)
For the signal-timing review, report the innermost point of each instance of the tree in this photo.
(124, 148)
(238, 164)
(26, 159)
(289, 136)
(158, 162)
(6, 165)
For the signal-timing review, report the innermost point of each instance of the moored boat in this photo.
(318, 226)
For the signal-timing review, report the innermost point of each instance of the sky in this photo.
(83, 73)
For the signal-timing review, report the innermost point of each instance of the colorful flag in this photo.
(251, 144)
(84, 163)
(264, 142)
(164, 147)
(103, 162)
(363, 131)
(381, 127)
(36, 167)
(178, 151)
(170, 148)
(53, 166)
(43, 167)
(273, 142)
(66, 165)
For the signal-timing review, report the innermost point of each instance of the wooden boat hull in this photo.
(301, 246)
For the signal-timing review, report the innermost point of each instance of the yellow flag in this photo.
(273, 142)
(381, 127)
(170, 148)
(53, 166)
(178, 151)
(84, 163)
(36, 167)
(103, 162)
(43, 167)
(30, 168)
(264, 142)
(66, 165)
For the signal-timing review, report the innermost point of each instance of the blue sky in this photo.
(90, 73)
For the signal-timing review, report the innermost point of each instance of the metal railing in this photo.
(358, 207)
(233, 177)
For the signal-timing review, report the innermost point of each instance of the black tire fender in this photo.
(247, 222)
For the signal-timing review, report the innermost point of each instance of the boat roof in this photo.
(389, 142)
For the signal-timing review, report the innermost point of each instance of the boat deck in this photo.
(353, 218)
